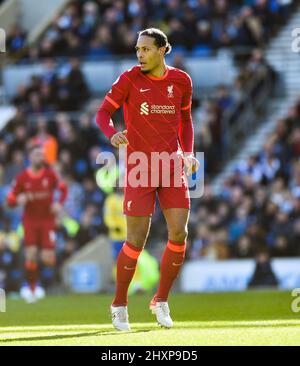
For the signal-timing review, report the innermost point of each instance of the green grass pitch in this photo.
(249, 318)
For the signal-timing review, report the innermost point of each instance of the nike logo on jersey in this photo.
(144, 90)
(129, 269)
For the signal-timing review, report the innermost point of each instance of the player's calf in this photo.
(48, 261)
(31, 266)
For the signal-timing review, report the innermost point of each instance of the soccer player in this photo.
(34, 189)
(157, 112)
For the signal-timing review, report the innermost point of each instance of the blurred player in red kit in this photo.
(157, 110)
(34, 189)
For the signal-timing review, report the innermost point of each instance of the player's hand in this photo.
(22, 199)
(56, 208)
(191, 163)
(119, 138)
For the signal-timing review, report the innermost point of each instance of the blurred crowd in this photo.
(60, 87)
(228, 102)
(102, 27)
(258, 209)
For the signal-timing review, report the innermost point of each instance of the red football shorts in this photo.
(140, 200)
(39, 233)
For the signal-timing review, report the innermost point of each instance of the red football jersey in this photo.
(152, 107)
(39, 189)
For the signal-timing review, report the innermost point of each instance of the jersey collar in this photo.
(160, 77)
(32, 174)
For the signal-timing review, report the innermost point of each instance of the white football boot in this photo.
(39, 292)
(27, 294)
(120, 317)
(162, 313)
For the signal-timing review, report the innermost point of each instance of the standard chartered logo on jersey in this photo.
(144, 108)
(157, 109)
(2, 301)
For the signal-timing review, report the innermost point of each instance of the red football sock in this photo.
(171, 263)
(126, 265)
(31, 269)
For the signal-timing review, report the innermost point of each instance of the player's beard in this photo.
(145, 71)
(39, 166)
(149, 70)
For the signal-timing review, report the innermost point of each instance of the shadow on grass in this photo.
(176, 327)
(65, 336)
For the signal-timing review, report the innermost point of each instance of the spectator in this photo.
(16, 39)
(244, 248)
(114, 219)
(263, 275)
(77, 83)
(16, 166)
(224, 99)
(46, 140)
(86, 231)
(19, 141)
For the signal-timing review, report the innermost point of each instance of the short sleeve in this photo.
(119, 91)
(187, 94)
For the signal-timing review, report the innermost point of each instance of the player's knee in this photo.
(48, 260)
(137, 239)
(31, 255)
(178, 235)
